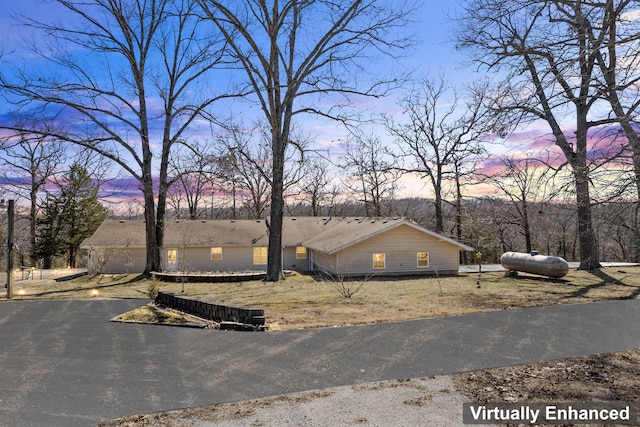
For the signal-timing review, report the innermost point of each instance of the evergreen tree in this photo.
(49, 243)
(70, 217)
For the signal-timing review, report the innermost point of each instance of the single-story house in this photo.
(338, 246)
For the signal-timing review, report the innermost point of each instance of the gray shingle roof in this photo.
(329, 235)
(131, 233)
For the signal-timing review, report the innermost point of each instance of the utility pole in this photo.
(10, 214)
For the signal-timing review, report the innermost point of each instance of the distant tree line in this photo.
(491, 224)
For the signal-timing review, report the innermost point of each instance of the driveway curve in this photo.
(62, 363)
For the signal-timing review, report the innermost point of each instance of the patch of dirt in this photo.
(603, 377)
(405, 382)
(214, 413)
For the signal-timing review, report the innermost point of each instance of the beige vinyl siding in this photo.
(118, 261)
(199, 259)
(400, 246)
(235, 258)
(324, 263)
(291, 262)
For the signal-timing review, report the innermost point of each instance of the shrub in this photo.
(346, 286)
(152, 289)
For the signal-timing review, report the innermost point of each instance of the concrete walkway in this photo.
(63, 364)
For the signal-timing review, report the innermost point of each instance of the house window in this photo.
(216, 254)
(172, 256)
(423, 259)
(301, 252)
(378, 261)
(260, 255)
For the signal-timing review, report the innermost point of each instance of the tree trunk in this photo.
(608, 61)
(32, 225)
(159, 238)
(439, 222)
(463, 254)
(315, 211)
(153, 250)
(274, 265)
(589, 257)
(632, 137)
(162, 201)
(72, 257)
(526, 225)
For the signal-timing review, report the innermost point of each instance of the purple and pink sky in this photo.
(433, 55)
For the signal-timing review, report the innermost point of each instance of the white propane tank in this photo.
(551, 266)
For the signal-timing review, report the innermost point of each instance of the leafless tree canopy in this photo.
(146, 49)
(548, 54)
(314, 186)
(371, 172)
(36, 157)
(193, 178)
(440, 133)
(524, 180)
(292, 52)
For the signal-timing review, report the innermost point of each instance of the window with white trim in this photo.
(260, 255)
(301, 252)
(172, 256)
(216, 254)
(423, 259)
(378, 261)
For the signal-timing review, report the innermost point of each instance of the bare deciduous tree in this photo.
(249, 166)
(37, 157)
(314, 185)
(125, 79)
(524, 181)
(548, 59)
(614, 27)
(372, 174)
(192, 179)
(439, 135)
(294, 51)
(251, 177)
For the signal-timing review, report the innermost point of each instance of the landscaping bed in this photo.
(157, 315)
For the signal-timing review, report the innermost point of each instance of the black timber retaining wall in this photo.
(212, 311)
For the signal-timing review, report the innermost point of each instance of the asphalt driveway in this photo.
(62, 363)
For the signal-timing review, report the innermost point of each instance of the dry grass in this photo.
(152, 314)
(303, 301)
